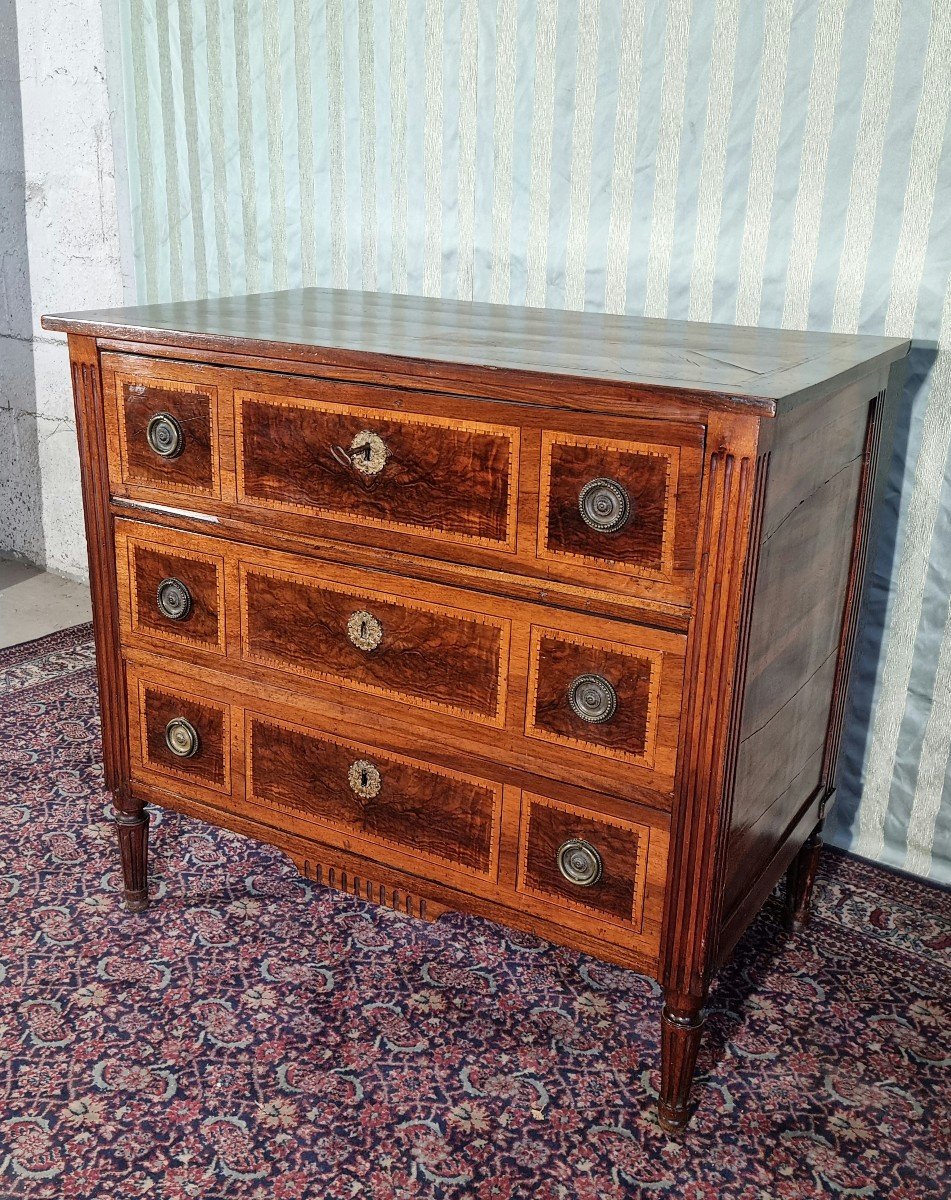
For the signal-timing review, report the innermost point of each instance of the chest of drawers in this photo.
(539, 615)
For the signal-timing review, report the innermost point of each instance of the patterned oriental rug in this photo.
(256, 1036)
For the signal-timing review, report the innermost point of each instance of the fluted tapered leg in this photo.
(681, 1027)
(800, 877)
(133, 830)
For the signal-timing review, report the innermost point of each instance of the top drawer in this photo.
(605, 504)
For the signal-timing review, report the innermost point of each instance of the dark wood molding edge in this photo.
(100, 544)
(701, 794)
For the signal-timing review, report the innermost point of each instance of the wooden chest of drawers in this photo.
(545, 616)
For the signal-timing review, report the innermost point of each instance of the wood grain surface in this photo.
(441, 817)
(621, 846)
(557, 660)
(211, 763)
(455, 480)
(326, 327)
(195, 470)
(647, 474)
(436, 657)
(204, 579)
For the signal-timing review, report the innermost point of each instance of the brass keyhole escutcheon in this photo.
(592, 698)
(165, 436)
(579, 862)
(364, 779)
(364, 630)
(181, 737)
(368, 453)
(604, 505)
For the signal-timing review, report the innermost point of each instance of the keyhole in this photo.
(363, 630)
(364, 778)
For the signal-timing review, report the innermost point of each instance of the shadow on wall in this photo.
(879, 579)
(21, 521)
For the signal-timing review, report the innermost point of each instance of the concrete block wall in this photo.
(59, 250)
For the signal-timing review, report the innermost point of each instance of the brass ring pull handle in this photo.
(174, 600)
(592, 698)
(579, 862)
(604, 505)
(181, 737)
(364, 630)
(364, 779)
(367, 453)
(165, 436)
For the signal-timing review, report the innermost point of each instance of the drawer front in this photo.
(448, 479)
(589, 503)
(426, 654)
(619, 702)
(172, 595)
(168, 433)
(181, 735)
(385, 799)
(620, 506)
(589, 864)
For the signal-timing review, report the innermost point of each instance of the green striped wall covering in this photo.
(756, 161)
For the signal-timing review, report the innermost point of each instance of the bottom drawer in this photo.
(569, 860)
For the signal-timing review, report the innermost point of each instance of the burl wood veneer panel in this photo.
(438, 815)
(451, 479)
(433, 656)
(812, 484)
(623, 847)
(648, 475)
(557, 660)
(152, 706)
(194, 471)
(143, 563)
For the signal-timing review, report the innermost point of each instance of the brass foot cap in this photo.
(673, 1122)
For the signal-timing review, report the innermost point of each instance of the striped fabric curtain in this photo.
(774, 162)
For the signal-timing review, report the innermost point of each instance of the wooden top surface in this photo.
(765, 369)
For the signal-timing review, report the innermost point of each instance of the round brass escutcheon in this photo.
(605, 506)
(579, 862)
(174, 599)
(592, 698)
(165, 436)
(181, 737)
(368, 453)
(364, 779)
(364, 630)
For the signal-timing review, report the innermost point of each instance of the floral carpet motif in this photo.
(255, 1036)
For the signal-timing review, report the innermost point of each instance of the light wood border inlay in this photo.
(399, 417)
(208, 392)
(319, 584)
(641, 832)
(550, 439)
(384, 756)
(654, 657)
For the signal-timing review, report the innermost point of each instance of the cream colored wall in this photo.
(59, 249)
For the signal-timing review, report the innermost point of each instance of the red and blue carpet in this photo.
(256, 1036)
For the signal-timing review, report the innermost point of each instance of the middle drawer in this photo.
(592, 701)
